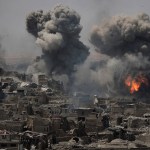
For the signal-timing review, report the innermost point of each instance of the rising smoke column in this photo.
(57, 33)
(126, 43)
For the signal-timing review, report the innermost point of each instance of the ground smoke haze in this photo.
(2, 54)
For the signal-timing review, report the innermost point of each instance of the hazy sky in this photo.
(18, 43)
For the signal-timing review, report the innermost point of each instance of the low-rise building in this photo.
(8, 140)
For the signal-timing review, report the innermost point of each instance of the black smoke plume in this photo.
(57, 33)
(124, 45)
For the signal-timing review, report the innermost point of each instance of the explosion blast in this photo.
(126, 42)
(57, 33)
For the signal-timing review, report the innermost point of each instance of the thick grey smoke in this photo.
(125, 43)
(106, 77)
(57, 33)
(122, 35)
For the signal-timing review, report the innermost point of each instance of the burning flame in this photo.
(134, 84)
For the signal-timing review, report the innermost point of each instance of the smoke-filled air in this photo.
(126, 43)
(122, 43)
(57, 32)
(123, 35)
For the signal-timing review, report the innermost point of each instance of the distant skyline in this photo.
(20, 44)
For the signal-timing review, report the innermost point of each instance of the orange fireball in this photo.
(134, 84)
